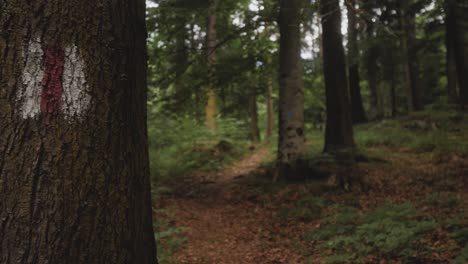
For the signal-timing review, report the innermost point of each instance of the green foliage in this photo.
(462, 258)
(429, 131)
(178, 146)
(168, 237)
(458, 228)
(306, 209)
(389, 231)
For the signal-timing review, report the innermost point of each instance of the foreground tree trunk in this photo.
(74, 174)
(211, 109)
(291, 97)
(339, 130)
(358, 112)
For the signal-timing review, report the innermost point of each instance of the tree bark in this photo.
(253, 114)
(269, 102)
(358, 112)
(291, 98)
(339, 130)
(461, 50)
(450, 37)
(211, 109)
(74, 172)
(180, 61)
(408, 45)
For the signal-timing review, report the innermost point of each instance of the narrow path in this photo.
(224, 221)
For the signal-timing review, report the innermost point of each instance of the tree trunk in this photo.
(461, 50)
(74, 172)
(358, 112)
(269, 102)
(291, 98)
(408, 45)
(180, 61)
(450, 36)
(211, 109)
(253, 115)
(339, 130)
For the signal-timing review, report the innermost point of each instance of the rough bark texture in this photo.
(74, 182)
(339, 131)
(212, 104)
(291, 98)
(358, 112)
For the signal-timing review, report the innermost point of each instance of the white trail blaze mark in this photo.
(33, 73)
(36, 82)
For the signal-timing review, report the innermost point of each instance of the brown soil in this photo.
(229, 218)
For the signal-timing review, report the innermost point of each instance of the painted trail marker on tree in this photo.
(53, 82)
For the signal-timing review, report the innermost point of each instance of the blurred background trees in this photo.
(216, 70)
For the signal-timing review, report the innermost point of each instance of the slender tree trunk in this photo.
(358, 112)
(450, 37)
(393, 93)
(269, 101)
(211, 109)
(291, 98)
(339, 130)
(461, 50)
(253, 115)
(181, 61)
(74, 172)
(372, 69)
(408, 45)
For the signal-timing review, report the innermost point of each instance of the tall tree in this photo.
(461, 47)
(339, 131)
(211, 109)
(74, 172)
(450, 38)
(291, 95)
(358, 112)
(372, 71)
(409, 49)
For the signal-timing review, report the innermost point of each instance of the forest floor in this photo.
(415, 212)
(230, 217)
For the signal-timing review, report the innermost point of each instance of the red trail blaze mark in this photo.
(52, 87)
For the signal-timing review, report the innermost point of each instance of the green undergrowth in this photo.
(180, 146)
(389, 231)
(427, 131)
(458, 228)
(169, 237)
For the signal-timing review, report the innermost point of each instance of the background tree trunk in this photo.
(269, 102)
(181, 60)
(450, 34)
(358, 112)
(74, 172)
(461, 50)
(339, 131)
(408, 46)
(291, 98)
(212, 102)
(253, 114)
